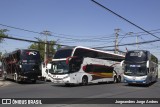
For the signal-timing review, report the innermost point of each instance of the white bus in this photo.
(82, 65)
(140, 67)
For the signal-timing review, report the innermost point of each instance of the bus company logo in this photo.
(6, 101)
(32, 53)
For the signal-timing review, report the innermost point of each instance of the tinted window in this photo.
(136, 56)
(99, 69)
(63, 53)
(93, 54)
(135, 70)
(29, 67)
(59, 67)
(85, 53)
(75, 64)
(110, 57)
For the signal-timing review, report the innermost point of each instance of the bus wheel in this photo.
(45, 79)
(67, 84)
(16, 77)
(156, 78)
(115, 79)
(33, 81)
(84, 80)
(119, 79)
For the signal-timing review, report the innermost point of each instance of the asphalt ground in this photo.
(10, 89)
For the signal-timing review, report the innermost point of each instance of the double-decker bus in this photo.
(22, 65)
(140, 67)
(82, 65)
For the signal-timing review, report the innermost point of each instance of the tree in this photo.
(51, 48)
(0, 55)
(2, 34)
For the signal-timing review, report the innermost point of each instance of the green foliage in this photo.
(0, 55)
(2, 34)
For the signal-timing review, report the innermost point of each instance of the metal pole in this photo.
(46, 33)
(116, 40)
(137, 42)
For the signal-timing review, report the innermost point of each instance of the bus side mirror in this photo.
(122, 62)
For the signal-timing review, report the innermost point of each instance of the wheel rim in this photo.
(84, 81)
(15, 77)
(119, 79)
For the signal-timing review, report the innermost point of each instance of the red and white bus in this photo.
(82, 65)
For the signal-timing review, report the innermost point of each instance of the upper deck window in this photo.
(63, 53)
(136, 56)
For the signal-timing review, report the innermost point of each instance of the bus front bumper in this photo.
(61, 80)
(135, 80)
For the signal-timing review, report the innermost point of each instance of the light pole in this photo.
(137, 41)
(116, 40)
(46, 33)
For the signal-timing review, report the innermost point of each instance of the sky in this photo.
(81, 23)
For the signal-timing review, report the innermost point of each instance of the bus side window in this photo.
(89, 68)
(75, 64)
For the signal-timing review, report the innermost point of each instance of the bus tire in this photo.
(34, 81)
(84, 80)
(119, 79)
(45, 79)
(67, 84)
(156, 78)
(115, 79)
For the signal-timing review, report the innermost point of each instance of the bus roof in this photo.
(9, 53)
(76, 47)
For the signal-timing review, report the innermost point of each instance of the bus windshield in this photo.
(59, 67)
(135, 70)
(30, 67)
(136, 56)
(63, 53)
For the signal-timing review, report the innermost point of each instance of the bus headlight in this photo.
(65, 77)
(144, 78)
